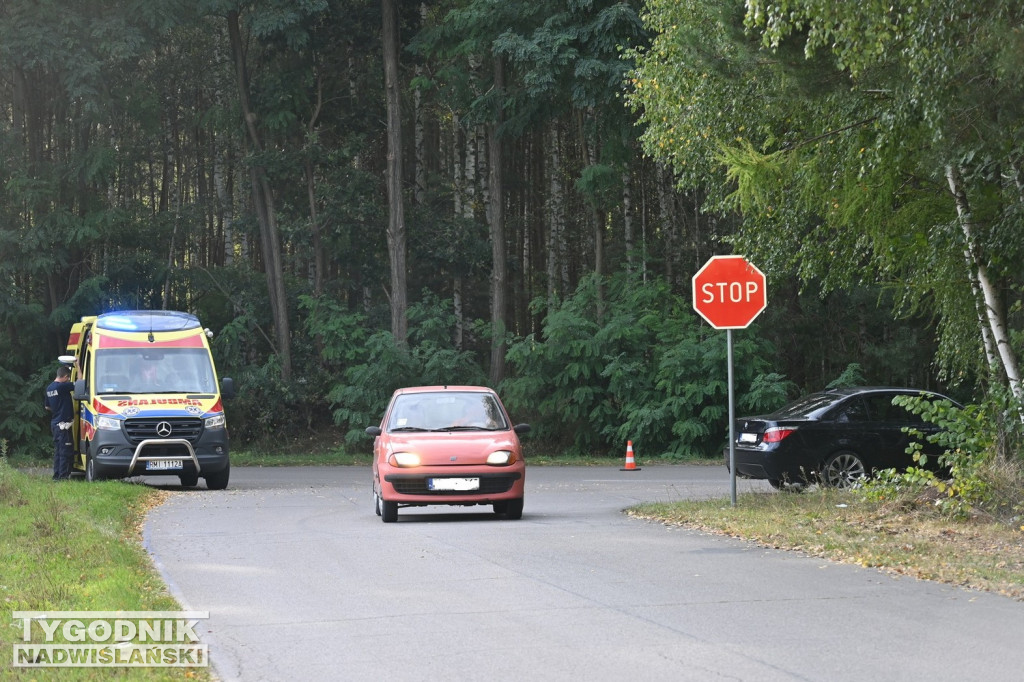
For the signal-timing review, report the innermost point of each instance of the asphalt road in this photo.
(303, 581)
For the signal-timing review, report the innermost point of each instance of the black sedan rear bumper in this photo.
(766, 464)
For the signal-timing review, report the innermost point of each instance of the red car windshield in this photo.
(446, 411)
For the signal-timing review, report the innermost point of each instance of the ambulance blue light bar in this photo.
(147, 321)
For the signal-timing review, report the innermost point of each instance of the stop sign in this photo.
(729, 292)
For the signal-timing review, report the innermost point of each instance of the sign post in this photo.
(729, 292)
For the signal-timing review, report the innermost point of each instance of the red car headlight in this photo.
(404, 459)
(501, 458)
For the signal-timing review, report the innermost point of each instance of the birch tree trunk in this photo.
(458, 209)
(225, 205)
(644, 265)
(469, 174)
(457, 179)
(174, 199)
(589, 158)
(222, 151)
(667, 222)
(465, 179)
(263, 202)
(319, 257)
(319, 260)
(556, 214)
(396, 213)
(499, 276)
(992, 308)
(627, 220)
(420, 193)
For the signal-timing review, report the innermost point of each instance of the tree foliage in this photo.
(863, 143)
(152, 150)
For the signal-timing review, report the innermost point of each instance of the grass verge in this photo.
(842, 526)
(336, 457)
(74, 547)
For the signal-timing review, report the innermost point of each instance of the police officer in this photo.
(58, 402)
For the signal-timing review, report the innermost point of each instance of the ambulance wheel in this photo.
(219, 480)
(189, 480)
(90, 470)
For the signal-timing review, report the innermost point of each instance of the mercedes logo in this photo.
(163, 429)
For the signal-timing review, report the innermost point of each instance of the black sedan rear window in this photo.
(807, 406)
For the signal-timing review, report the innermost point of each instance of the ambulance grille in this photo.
(139, 429)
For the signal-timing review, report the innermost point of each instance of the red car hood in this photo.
(467, 447)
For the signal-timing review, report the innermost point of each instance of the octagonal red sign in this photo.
(729, 292)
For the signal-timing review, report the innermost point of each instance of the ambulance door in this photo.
(80, 333)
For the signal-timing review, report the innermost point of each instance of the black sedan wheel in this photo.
(843, 470)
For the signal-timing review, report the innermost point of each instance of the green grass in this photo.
(69, 546)
(337, 457)
(902, 536)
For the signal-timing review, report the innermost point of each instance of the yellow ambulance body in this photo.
(147, 400)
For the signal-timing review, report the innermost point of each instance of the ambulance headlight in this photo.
(108, 423)
(215, 422)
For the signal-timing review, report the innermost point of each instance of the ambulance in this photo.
(147, 400)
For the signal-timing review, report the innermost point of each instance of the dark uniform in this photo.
(58, 402)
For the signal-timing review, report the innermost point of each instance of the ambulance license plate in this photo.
(165, 465)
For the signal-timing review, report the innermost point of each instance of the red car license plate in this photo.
(453, 484)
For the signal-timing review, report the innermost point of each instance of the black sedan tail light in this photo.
(777, 433)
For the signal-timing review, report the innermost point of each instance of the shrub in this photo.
(635, 363)
(980, 480)
(430, 359)
(23, 421)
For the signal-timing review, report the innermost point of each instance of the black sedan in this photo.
(834, 437)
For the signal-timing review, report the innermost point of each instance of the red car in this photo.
(452, 445)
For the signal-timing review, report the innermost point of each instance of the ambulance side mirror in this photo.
(80, 392)
(227, 388)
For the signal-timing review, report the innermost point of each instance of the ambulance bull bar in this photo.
(139, 457)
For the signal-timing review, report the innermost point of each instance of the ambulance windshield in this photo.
(141, 370)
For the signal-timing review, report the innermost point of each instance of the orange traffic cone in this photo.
(630, 462)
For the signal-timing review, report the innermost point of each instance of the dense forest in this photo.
(356, 195)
